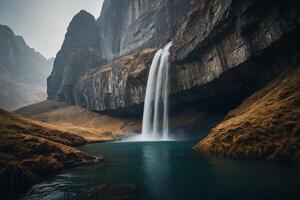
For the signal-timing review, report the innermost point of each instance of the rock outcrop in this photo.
(79, 52)
(222, 53)
(124, 191)
(118, 85)
(23, 72)
(264, 126)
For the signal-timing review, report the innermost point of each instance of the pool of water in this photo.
(172, 170)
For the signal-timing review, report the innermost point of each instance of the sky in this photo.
(43, 23)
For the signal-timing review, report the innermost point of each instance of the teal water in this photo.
(172, 170)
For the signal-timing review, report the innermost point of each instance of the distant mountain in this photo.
(50, 62)
(23, 71)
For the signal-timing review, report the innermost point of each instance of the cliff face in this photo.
(23, 71)
(120, 84)
(123, 27)
(232, 48)
(222, 53)
(79, 52)
(128, 25)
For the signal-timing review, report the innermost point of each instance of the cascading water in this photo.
(155, 117)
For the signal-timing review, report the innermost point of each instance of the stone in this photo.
(120, 191)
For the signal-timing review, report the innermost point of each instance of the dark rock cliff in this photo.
(228, 49)
(119, 85)
(223, 52)
(79, 52)
(127, 25)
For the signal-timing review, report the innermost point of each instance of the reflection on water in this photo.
(57, 190)
(170, 171)
(157, 170)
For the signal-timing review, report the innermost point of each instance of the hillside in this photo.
(93, 127)
(264, 126)
(30, 150)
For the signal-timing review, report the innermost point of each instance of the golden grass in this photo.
(91, 126)
(266, 125)
(31, 149)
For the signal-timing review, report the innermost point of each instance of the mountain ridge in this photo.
(23, 71)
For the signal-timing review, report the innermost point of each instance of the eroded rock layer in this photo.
(118, 85)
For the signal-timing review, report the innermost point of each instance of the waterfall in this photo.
(155, 116)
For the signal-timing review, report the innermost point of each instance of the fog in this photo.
(43, 23)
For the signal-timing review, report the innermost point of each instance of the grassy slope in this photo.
(265, 126)
(93, 127)
(30, 149)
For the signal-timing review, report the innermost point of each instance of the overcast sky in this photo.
(43, 23)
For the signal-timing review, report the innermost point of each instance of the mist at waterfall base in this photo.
(155, 116)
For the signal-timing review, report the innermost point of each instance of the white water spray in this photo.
(155, 117)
